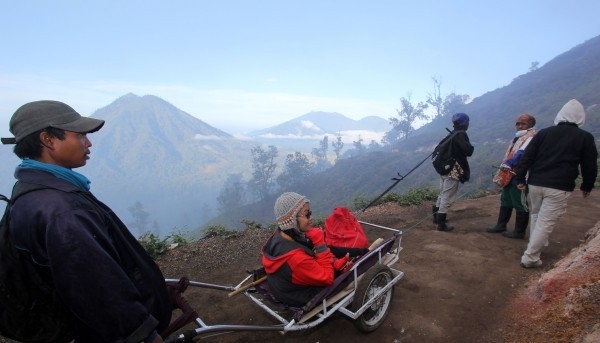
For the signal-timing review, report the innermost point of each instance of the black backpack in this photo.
(442, 157)
(30, 310)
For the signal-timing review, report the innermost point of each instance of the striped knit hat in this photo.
(287, 207)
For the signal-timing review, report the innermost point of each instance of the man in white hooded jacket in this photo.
(553, 158)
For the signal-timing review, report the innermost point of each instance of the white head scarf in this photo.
(571, 112)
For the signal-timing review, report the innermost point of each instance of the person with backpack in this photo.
(77, 245)
(450, 161)
(549, 167)
(512, 197)
(296, 258)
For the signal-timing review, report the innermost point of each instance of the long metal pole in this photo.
(400, 178)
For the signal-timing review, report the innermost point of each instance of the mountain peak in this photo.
(322, 123)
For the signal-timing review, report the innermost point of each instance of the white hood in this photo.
(571, 112)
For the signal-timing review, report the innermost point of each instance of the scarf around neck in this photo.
(77, 179)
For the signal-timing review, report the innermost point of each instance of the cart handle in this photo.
(245, 287)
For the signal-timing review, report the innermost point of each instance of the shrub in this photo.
(219, 230)
(412, 196)
(360, 202)
(416, 196)
(252, 225)
(153, 245)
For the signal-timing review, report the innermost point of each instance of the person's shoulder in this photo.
(587, 133)
(49, 198)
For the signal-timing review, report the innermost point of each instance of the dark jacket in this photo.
(461, 149)
(114, 289)
(295, 273)
(554, 156)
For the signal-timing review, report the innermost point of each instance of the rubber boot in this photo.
(441, 223)
(434, 210)
(521, 221)
(503, 218)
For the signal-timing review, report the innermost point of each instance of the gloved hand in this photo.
(505, 167)
(340, 263)
(316, 236)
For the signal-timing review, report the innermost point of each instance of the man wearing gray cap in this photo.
(110, 285)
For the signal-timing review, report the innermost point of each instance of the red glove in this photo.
(316, 236)
(340, 263)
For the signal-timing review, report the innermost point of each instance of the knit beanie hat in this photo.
(287, 207)
(460, 120)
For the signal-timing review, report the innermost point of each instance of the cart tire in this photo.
(374, 279)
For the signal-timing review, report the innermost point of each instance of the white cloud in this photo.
(291, 136)
(229, 110)
(347, 136)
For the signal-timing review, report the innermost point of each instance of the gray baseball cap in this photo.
(38, 115)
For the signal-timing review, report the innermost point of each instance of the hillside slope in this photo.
(460, 287)
(457, 286)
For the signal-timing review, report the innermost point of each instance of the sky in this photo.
(247, 65)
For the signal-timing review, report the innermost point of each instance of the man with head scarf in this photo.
(511, 196)
(553, 159)
(460, 172)
(297, 260)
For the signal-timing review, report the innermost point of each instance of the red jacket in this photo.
(295, 272)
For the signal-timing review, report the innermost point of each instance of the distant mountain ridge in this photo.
(171, 162)
(305, 132)
(175, 164)
(574, 74)
(151, 152)
(322, 123)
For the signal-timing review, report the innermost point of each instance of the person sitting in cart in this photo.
(297, 260)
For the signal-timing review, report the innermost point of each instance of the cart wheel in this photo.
(374, 279)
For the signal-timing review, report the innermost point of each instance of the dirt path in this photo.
(456, 284)
(455, 288)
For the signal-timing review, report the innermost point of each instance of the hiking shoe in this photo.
(535, 264)
(445, 228)
(512, 234)
(496, 229)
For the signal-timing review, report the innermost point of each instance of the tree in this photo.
(435, 98)
(338, 145)
(534, 66)
(320, 155)
(231, 195)
(297, 169)
(374, 146)
(263, 164)
(402, 126)
(140, 218)
(454, 103)
(360, 148)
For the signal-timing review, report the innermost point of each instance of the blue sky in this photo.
(244, 65)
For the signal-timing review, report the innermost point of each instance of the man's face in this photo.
(71, 152)
(522, 123)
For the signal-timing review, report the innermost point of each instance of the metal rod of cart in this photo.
(363, 294)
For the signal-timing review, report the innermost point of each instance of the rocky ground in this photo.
(462, 286)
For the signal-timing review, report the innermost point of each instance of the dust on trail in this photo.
(456, 288)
